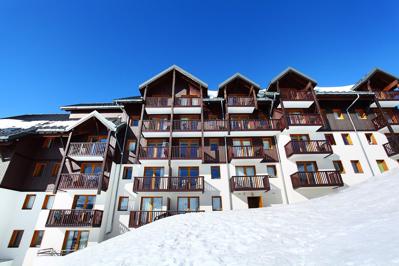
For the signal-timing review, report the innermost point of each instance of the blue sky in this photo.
(54, 53)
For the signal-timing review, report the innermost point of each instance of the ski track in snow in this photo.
(357, 226)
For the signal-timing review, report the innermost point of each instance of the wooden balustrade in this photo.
(168, 184)
(392, 146)
(214, 154)
(390, 119)
(74, 218)
(140, 218)
(250, 183)
(304, 120)
(182, 152)
(159, 102)
(79, 181)
(307, 147)
(187, 102)
(246, 152)
(187, 125)
(86, 149)
(316, 179)
(156, 125)
(215, 125)
(296, 95)
(154, 153)
(387, 95)
(240, 101)
(251, 124)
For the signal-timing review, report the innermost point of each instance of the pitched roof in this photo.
(287, 70)
(240, 76)
(82, 106)
(177, 68)
(110, 125)
(369, 75)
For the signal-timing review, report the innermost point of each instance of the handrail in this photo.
(240, 101)
(79, 181)
(87, 148)
(74, 218)
(316, 179)
(156, 125)
(159, 101)
(187, 125)
(215, 125)
(168, 184)
(182, 152)
(249, 183)
(296, 95)
(256, 124)
(187, 101)
(156, 152)
(304, 119)
(307, 147)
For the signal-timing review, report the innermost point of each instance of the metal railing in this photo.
(187, 125)
(79, 181)
(304, 119)
(156, 125)
(179, 152)
(252, 124)
(74, 218)
(307, 147)
(168, 184)
(249, 183)
(154, 153)
(240, 101)
(246, 152)
(215, 125)
(316, 179)
(86, 149)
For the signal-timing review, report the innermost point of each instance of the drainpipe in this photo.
(357, 133)
(115, 199)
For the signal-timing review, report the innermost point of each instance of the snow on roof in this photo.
(212, 94)
(110, 125)
(346, 88)
(353, 226)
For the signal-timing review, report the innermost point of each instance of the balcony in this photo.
(186, 153)
(158, 105)
(140, 218)
(156, 128)
(185, 105)
(300, 149)
(381, 123)
(269, 127)
(87, 151)
(316, 179)
(244, 153)
(240, 104)
(392, 147)
(304, 122)
(215, 128)
(168, 184)
(79, 181)
(154, 153)
(293, 98)
(74, 218)
(187, 128)
(250, 183)
(387, 99)
(214, 154)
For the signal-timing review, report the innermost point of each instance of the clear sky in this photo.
(55, 53)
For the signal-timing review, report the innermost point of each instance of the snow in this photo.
(212, 94)
(346, 88)
(355, 226)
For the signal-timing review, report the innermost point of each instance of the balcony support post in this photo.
(140, 125)
(227, 117)
(316, 101)
(101, 177)
(57, 181)
(285, 116)
(171, 122)
(202, 126)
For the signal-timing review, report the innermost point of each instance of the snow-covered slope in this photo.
(357, 226)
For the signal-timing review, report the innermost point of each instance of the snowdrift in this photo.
(357, 226)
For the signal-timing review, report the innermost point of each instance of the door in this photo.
(151, 208)
(243, 148)
(156, 149)
(308, 172)
(74, 240)
(254, 202)
(155, 180)
(300, 142)
(245, 175)
(188, 177)
(189, 148)
(83, 202)
(185, 204)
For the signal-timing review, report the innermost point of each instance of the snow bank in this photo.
(357, 226)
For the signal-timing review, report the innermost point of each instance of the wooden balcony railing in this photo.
(159, 102)
(270, 155)
(79, 181)
(387, 95)
(392, 146)
(242, 152)
(250, 183)
(296, 95)
(269, 124)
(154, 153)
(182, 153)
(87, 149)
(168, 184)
(390, 119)
(187, 125)
(304, 120)
(316, 179)
(215, 125)
(74, 218)
(139, 218)
(240, 101)
(307, 147)
(156, 125)
(187, 102)
(214, 154)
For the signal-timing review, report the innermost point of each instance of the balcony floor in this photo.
(240, 109)
(187, 109)
(156, 134)
(158, 110)
(183, 134)
(303, 128)
(296, 104)
(308, 156)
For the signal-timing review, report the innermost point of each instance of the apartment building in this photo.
(72, 180)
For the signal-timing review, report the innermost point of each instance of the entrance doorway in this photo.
(254, 202)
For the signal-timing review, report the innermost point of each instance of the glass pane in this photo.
(250, 171)
(80, 202)
(90, 202)
(146, 205)
(194, 171)
(183, 171)
(216, 204)
(271, 171)
(87, 169)
(236, 143)
(240, 171)
(266, 144)
(157, 204)
(84, 238)
(97, 169)
(194, 204)
(50, 202)
(310, 167)
(182, 204)
(301, 167)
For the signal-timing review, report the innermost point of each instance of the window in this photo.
(300, 137)
(47, 143)
(28, 202)
(84, 202)
(189, 171)
(15, 239)
(48, 202)
(370, 139)
(271, 170)
(382, 165)
(357, 168)
(39, 168)
(338, 114)
(216, 203)
(268, 144)
(347, 139)
(54, 170)
(131, 146)
(75, 240)
(123, 203)
(306, 166)
(339, 167)
(245, 170)
(127, 172)
(330, 139)
(361, 114)
(215, 172)
(37, 239)
(187, 204)
(134, 121)
(91, 168)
